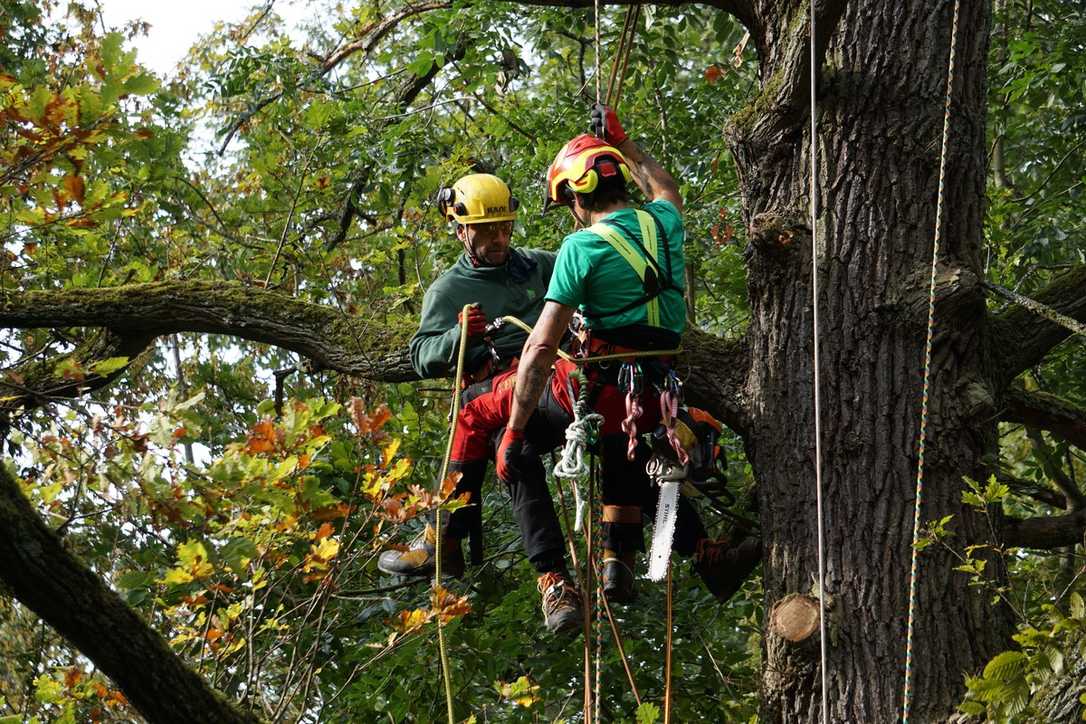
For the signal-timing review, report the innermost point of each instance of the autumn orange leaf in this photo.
(261, 439)
(75, 187)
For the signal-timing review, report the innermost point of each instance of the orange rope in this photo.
(667, 654)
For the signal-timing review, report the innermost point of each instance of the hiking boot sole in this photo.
(567, 623)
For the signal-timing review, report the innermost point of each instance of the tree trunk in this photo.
(880, 119)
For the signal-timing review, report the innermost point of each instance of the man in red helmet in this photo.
(623, 271)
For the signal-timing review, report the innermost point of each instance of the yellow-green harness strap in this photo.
(633, 257)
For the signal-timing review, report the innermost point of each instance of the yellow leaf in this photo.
(327, 549)
(390, 452)
(177, 577)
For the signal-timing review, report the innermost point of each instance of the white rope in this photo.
(597, 29)
(817, 380)
(571, 465)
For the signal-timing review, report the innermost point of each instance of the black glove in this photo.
(605, 125)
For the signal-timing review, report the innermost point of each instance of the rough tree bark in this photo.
(879, 124)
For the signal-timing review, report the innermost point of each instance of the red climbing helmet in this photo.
(579, 166)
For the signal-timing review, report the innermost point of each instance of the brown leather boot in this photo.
(723, 566)
(562, 612)
(618, 576)
(418, 559)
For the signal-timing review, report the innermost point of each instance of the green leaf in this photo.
(1078, 607)
(1006, 666)
(647, 713)
(109, 366)
(422, 63)
(135, 579)
(39, 99)
(141, 84)
(111, 51)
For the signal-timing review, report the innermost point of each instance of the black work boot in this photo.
(723, 566)
(418, 559)
(562, 612)
(618, 576)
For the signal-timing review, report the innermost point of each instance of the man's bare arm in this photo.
(539, 353)
(653, 180)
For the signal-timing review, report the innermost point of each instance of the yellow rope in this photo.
(437, 513)
(598, 358)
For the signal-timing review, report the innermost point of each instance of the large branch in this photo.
(68, 596)
(1042, 410)
(715, 371)
(743, 10)
(1020, 338)
(1046, 532)
(329, 338)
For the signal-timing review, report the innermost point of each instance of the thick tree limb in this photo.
(714, 372)
(329, 338)
(786, 90)
(1046, 412)
(38, 383)
(1040, 493)
(1020, 339)
(69, 597)
(1046, 532)
(742, 10)
(715, 369)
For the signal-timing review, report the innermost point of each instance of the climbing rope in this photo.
(615, 633)
(817, 378)
(667, 653)
(622, 56)
(596, 27)
(914, 567)
(442, 649)
(590, 584)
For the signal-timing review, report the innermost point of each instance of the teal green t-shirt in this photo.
(591, 276)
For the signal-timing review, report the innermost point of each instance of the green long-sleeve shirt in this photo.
(498, 291)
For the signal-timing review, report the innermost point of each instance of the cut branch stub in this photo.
(795, 617)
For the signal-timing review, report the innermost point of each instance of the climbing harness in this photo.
(643, 257)
(442, 648)
(914, 567)
(510, 319)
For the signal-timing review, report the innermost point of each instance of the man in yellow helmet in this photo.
(499, 280)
